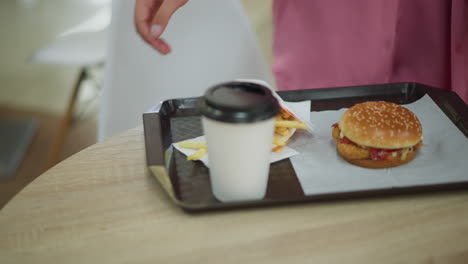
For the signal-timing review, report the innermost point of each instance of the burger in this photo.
(378, 135)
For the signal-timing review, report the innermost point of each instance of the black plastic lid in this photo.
(239, 102)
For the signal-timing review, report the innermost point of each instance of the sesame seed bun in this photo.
(381, 124)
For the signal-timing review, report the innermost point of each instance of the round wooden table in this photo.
(102, 205)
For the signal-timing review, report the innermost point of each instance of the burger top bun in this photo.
(381, 124)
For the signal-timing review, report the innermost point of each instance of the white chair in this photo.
(212, 42)
(83, 46)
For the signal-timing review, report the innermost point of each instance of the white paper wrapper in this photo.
(301, 110)
(285, 153)
(298, 109)
(442, 159)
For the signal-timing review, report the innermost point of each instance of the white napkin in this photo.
(299, 109)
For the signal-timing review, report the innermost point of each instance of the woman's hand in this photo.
(151, 19)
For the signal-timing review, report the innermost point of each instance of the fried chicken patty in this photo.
(355, 152)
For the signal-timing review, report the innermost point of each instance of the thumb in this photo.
(162, 16)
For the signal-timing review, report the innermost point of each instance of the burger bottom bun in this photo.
(379, 164)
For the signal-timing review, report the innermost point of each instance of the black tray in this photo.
(188, 183)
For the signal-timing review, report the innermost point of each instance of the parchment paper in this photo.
(442, 159)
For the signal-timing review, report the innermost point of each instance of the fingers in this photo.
(144, 10)
(162, 16)
(161, 45)
(151, 18)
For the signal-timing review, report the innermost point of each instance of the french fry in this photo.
(280, 129)
(285, 122)
(291, 124)
(278, 142)
(277, 148)
(282, 133)
(285, 115)
(197, 155)
(192, 145)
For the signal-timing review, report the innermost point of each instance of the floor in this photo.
(81, 135)
(31, 89)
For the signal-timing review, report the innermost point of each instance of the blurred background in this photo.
(37, 81)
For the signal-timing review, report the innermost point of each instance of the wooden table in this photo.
(103, 206)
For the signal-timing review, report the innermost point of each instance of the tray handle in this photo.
(156, 142)
(153, 123)
(156, 124)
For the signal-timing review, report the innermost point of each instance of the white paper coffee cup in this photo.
(238, 122)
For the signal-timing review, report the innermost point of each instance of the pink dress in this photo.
(330, 43)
